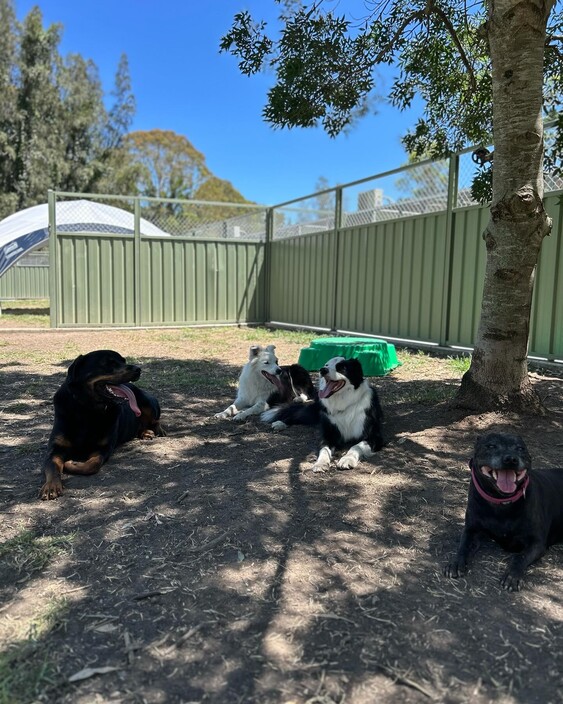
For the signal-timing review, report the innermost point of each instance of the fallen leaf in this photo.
(106, 628)
(90, 672)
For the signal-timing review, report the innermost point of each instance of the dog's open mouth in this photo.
(273, 379)
(331, 387)
(124, 392)
(506, 480)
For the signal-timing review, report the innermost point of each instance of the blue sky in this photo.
(182, 83)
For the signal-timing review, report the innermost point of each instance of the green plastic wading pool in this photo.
(377, 357)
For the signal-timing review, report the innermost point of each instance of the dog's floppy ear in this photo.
(71, 374)
(254, 351)
(354, 371)
(271, 348)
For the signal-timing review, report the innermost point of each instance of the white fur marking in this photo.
(253, 387)
(323, 460)
(352, 458)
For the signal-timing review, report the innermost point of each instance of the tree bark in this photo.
(498, 375)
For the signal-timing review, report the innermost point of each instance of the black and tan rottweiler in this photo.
(97, 408)
(518, 507)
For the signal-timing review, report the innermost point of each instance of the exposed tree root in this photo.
(474, 397)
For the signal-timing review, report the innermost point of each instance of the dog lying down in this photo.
(347, 410)
(263, 384)
(518, 507)
(97, 408)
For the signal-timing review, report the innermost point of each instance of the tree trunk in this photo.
(498, 375)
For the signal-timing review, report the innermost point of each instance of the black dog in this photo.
(292, 383)
(520, 508)
(96, 409)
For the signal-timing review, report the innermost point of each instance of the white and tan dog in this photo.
(254, 384)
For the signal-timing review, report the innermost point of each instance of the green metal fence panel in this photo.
(25, 282)
(192, 281)
(391, 277)
(95, 282)
(467, 272)
(546, 332)
(181, 281)
(301, 279)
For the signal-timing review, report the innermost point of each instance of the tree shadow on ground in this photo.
(213, 565)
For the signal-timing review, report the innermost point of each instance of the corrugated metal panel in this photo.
(181, 281)
(468, 259)
(96, 275)
(21, 282)
(391, 277)
(302, 279)
(190, 281)
(546, 331)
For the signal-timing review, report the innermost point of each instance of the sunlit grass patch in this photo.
(459, 364)
(30, 553)
(29, 313)
(27, 671)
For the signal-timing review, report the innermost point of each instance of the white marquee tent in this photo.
(28, 229)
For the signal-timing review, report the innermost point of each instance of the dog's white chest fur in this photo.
(347, 410)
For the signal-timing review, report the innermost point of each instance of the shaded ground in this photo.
(213, 566)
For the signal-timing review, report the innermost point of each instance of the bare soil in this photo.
(213, 566)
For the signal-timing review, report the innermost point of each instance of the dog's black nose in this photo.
(510, 461)
(278, 371)
(324, 371)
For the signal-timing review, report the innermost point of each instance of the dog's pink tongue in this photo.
(506, 481)
(125, 392)
(329, 389)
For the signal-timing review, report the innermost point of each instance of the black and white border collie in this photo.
(348, 411)
(292, 384)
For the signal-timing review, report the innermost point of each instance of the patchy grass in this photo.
(32, 313)
(26, 668)
(459, 364)
(31, 553)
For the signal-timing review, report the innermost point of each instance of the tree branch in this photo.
(463, 56)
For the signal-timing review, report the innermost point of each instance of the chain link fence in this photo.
(305, 216)
(161, 217)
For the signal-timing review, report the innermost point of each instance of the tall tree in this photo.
(8, 106)
(55, 131)
(123, 110)
(38, 140)
(83, 119)
(169, 166)
(484, 73)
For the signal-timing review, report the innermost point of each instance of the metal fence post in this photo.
(137, 262)
(453, 173)
(336, 252)
(53, 263)
(268, 262)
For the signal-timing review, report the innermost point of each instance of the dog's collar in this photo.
(494, 499)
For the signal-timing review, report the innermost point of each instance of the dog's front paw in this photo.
(147, 435)
(321, 467)
(279, 425)
(240, 417)
(347, 462)
(512, 581)
(52, 489)
(455, 569)
(223, 414)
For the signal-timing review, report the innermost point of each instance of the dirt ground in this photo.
(213, 566)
